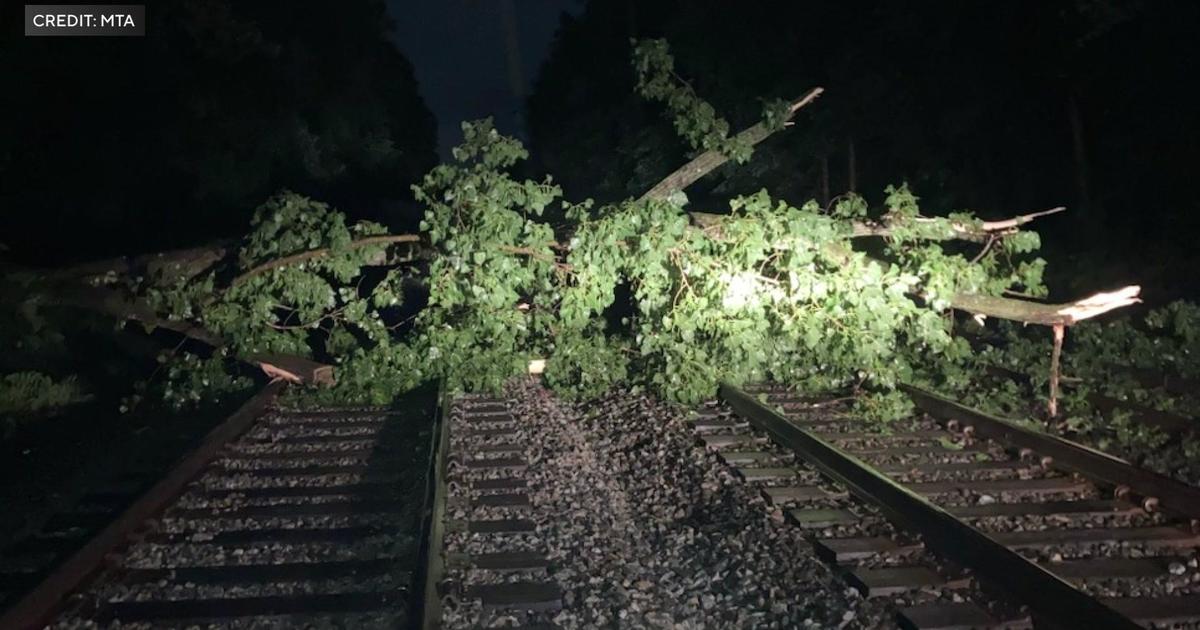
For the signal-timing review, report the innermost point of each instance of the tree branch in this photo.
(981, 233)
(169, 264)
(985, 231)
(1021, 219)
(986, 305)
(532, 253)
(708, 161)
(121, 307)
(381, 239)
(1046, 314)
(116, 304)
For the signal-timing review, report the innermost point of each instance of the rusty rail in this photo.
(38, 606)
(1170, 495)
(428, 604)
(1048, 596)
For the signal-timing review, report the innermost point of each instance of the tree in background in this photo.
(1003, 107)
(141, 144)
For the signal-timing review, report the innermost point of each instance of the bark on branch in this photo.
(293, 259)
(963, 231)
(167, 265)
(986, 305)
(1046, 314)
(708, 161)
(190, 262)
(536, 255)
(116, 304)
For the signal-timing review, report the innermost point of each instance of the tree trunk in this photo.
(1055, 355)
(1045, 314)
(116, 304)
(851, 167)
(1092, 215)
(824, 160)
(168, 265)
(708, 161)
(512, 49)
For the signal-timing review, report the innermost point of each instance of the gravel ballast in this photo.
(282, 542)
(644, 528)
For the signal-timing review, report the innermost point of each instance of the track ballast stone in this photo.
(645, 529)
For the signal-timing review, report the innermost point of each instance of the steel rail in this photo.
(1170, 495)
(38, 606)
(428, 607)
(1049, 597)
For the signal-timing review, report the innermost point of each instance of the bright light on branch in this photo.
(1101, 303)
(740, 288)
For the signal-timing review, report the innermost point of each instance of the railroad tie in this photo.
(791, 495)
(952, 616)
(994, 501)
(490, 500)
(708, 425)
(884, 581)
(278, 513)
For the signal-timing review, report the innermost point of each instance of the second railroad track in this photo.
(970, 521)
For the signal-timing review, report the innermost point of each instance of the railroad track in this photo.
(967, 520)
(308, 518)
(279, 519)
(488, 565)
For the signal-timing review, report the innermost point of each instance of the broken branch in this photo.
(1046, 314)
(978, 233)
(381, 239)
(709, 161)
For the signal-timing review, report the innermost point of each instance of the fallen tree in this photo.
(769, 290)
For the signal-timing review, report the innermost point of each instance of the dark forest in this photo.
(254, 255)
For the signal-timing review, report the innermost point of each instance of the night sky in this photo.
(461, 58)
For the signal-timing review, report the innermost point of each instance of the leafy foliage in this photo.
(330, 305)
(191, 379)
(637, 290)
(492, 281)
(1113, 371)
(695, 120)
(26, 394)
(971, 103)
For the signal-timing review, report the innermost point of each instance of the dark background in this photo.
(113, 146)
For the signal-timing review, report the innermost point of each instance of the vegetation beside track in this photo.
(855, 296)
(505, 270)
(1127, 383)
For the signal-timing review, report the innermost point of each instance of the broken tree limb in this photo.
(166, 265)
(381, 239)
(1025, 311)
(1055, 358)
(982, 232)
(187, 263)
(1017, 221)
(709, 161)
(1046, 314)
(294, 369)
(987, 305)
(114, 303)
(118, 305)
